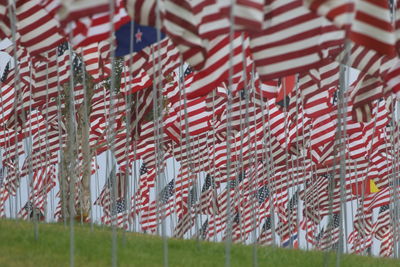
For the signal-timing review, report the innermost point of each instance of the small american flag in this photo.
(262, 194)
(143, 169)
(187, 71)
(208, 183)
(120, 207)
(5, 73)
(77, 65)
(192, 198)
(1, 176)
(329, 237)
(62, 48)
(237, 181)
(203, 230)
(167, 192)
(265, 237)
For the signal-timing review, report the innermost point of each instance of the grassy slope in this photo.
(18, 248)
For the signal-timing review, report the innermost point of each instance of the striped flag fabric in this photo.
(329, 236)
(378, 199)
(368, 22)
(39, 31)
(143, 11)
(340, 12)
(115, 210)
(312, 39)
(97, 27)
(8, 97)
(154, 213)
(266, 235)
(48, 74)
(207, 203)
(181, 25)
(372, 27)
(71, 10)
(216, 69)
(91, 58)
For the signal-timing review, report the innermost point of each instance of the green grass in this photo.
(19, 248)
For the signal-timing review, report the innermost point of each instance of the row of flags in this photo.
(251, 110)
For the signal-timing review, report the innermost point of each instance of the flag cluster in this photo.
(251, 101)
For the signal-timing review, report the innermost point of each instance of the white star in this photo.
(138, 36)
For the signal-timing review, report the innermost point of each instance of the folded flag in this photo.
(143, 36)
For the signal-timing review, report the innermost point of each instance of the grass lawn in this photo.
(19, 248)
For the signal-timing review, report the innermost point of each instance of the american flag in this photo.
(329, 237)
(114, 206)
(40, 31)
(1, 176)
(187, 220)
(116, 215)
(160, 208)
(279, 69)
(253, 210)
(187, 72)
(167, 192)
(29, 210)
(207, 202)
(266, 236)
(203, 230)
(5, 72)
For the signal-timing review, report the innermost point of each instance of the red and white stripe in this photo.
(74, 9)
(91, 58)
(7, 98)
(216, 69)
(47, 75)
(39, 30)
(372, 27)
(341, 12)
(181, 25)
(96, 28)
(363, 92)
(130, 85)
(378, 199)
(295, 40)
(165, 55)
(143, 11)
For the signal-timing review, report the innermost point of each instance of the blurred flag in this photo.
(143, 36)
(75, 9)
(97, 27)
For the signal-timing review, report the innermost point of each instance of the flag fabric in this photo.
(139, 37)
(340, 12)
(266, 235)
(39, 31)
(207, 204)
(312, 40)
(372, 27)
(113, 200)
(181, 25)
(159, 209)
(143, 11)
(216, 67)
(71, 10)
(368, 22)
(249, 110)
(96, 27)
(47, 75)
(329, 236)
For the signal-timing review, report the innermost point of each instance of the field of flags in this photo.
(217, 120)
